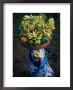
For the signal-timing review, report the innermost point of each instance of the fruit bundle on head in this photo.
(36, 29)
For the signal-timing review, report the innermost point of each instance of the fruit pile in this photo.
(36, 29)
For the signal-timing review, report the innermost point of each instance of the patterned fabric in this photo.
(44, 69)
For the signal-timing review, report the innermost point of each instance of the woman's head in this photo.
(37, 54)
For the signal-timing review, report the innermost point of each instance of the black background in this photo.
(1, 40)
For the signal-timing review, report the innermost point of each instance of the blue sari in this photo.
(44, 69)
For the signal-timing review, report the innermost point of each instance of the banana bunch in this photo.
(52, 23)
(36, 27)
(49, 28)
(39, 37)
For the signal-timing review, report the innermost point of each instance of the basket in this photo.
(44, 45)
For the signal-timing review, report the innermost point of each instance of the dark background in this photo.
(20, 52)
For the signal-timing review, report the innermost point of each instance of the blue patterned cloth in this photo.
(44, 69)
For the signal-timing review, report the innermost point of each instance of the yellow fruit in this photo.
(26, 17)
(48, 35)
(51, 20)
(24, 39)
(40, 36)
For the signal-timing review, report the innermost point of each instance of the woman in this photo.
(39, 66)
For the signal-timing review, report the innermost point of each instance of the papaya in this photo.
(24, 39)
(30, 42)
(37, 42)
(45, 39)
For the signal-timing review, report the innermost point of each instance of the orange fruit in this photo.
(24, 39)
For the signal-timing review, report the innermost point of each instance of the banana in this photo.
(49, 35)
(26, 17)
(40, 36)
